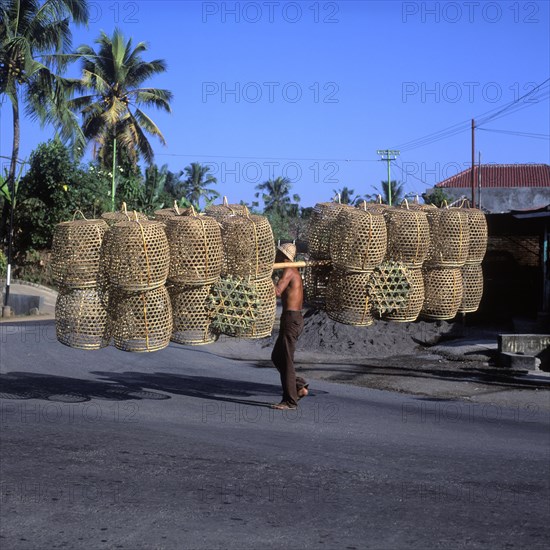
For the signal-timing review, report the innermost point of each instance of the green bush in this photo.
(3, 264)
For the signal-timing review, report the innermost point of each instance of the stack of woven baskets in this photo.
(134, 264)
(447, 254)
(318, 234)
(357, 246)
(80, 311)
(195, 265)
(408, 243)
(244, 301)
(472, 274)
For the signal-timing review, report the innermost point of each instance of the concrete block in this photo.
(536, 345)
(518, 361)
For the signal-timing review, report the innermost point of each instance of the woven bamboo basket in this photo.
(376, 207)
(243, 308)
(472, 284)
(76, 251)
(134, 255)
(449, 238)
(410, 309)
(265, 317)
(220, 211)
(408, 236)
(442, 293)
(191, 315)
(165, 213)
(347, 298)
(196, 251)
(358, 241)
(388, 287)
(142, 321)
(81, 319)
(478, 235)
(248, 246)
(319, 228)
(315, 284)
(122, 215)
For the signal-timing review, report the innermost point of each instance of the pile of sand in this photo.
(382, 339)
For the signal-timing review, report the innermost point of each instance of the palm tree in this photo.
(34, 39)
(113, 110)
(195, 185)
(396, 188)
(276, 196)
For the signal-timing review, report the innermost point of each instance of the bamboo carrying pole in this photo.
(303, 263)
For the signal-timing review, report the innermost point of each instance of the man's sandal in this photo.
(284, 406)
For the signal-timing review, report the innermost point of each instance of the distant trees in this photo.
(34, 40)
(275, 194)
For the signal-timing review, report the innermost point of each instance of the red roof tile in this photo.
(502, 175)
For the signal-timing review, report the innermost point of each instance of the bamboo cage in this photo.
(478, 235)
(472, 284)
(315, 284)
(410, 309)
(220, 211)
(375, 207)
(358, 241)
(196, 252)
(165, 213)
(191, 315)
(408, 236)
(388, 287)
(81, 319)
(243, 308)
(248, 246)
(76, 251)
(442, 293)
(142, 321)
(135, 256)
(449, 238)
(320, 227)
(122, 215)
(348, 299)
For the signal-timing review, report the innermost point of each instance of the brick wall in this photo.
(524, 249)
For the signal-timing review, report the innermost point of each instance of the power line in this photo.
(492, 114)
(263, 158)
(515, 133)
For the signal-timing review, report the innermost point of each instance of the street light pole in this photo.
(391, 154)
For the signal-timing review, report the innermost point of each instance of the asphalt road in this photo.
(178, 450)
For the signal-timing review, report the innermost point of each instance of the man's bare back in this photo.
(291, 290)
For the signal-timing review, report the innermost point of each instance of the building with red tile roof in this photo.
(502, 187)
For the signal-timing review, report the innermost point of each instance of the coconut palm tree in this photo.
(195, 185)
(346, 195)
(276, 196)
(396, 188)
(35, 37)
(114, 77)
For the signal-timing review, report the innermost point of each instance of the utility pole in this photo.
(391, 154)
(472, 178)
(479, 180)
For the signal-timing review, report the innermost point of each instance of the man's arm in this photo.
(284, 281)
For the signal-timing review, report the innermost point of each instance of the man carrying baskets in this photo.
(290, 289)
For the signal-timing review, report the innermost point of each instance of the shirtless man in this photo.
(290, 289)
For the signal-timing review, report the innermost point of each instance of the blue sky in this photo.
(312, 90)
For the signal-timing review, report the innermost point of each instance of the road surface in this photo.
(178, 450)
